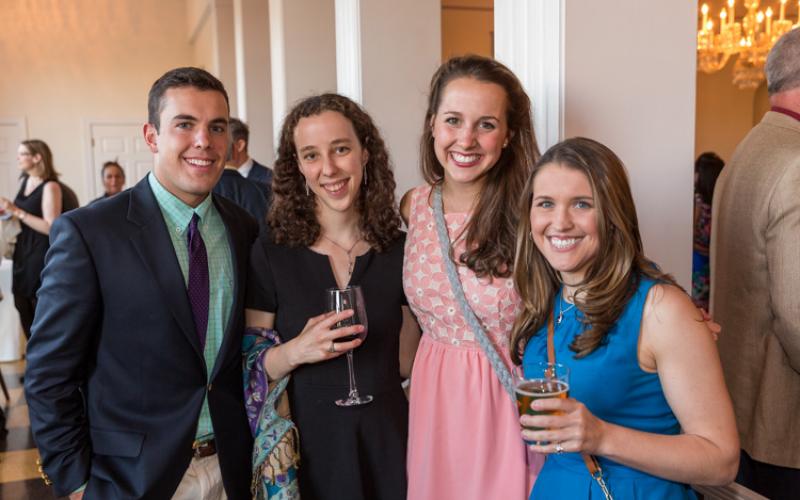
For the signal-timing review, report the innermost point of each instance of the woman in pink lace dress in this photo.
(478, 145)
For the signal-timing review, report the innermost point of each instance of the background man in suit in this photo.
(755, 259)
(134, 377)
(240, 159)
(250, 195)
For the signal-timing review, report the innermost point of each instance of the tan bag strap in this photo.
(591, 462)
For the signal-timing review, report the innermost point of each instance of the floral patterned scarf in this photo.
(276, 448)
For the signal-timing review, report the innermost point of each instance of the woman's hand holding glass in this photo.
(319, 339)
(568, 426)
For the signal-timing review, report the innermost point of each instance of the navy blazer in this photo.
(261, 174)
(251, 196)
(116, 378)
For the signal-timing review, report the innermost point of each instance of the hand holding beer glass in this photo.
(539, 381)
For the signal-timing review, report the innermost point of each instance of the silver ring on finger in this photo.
(332, 348)
(559, 448)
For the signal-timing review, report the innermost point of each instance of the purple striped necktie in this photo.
(198, 287)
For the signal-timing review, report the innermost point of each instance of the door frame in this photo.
(88, 126)
(21, 122)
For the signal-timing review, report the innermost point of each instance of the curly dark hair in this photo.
(292, 216)
(491, 232)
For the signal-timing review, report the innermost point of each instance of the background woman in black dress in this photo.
(334, 222)
(37, 205)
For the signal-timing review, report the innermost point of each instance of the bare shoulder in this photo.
(670, 319)
(52, 188)
(405, 205)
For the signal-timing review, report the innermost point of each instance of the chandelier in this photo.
(750, 39)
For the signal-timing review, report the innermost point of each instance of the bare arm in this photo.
(676, 342)
(51, 208)
(409, 340)
(312, 345)
(783, 255)
(405, 206)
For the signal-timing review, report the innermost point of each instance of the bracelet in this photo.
(21, 214)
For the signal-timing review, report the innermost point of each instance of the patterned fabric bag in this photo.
(276, 455)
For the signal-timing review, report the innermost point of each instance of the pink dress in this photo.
(464, 438)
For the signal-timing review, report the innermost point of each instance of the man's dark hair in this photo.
(239, 130)
(177, 78)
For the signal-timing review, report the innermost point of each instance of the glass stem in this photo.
(351, 371)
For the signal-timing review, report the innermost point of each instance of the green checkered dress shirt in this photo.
(177, 216)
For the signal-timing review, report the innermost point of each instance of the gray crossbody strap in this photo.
(500, 368)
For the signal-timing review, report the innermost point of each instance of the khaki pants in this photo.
(202, 481)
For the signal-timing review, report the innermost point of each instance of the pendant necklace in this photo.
(561, 311)
(351, 260)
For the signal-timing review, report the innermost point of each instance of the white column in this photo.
(529, 39)
(277, 64)
(348, 49)
(400, 48)
(253, 76)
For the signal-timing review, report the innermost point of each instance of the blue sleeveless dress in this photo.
(613, 387)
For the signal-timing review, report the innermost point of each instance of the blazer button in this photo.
(209, 387)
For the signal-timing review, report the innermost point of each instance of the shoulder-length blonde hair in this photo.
(615, 270)
(292, 217)
(490, 232)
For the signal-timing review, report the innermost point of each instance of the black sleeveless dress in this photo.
(355, 453)
(31, 245)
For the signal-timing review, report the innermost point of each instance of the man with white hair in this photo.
(755, 292)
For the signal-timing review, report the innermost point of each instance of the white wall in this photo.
(66, 62)
(401, 47)
(630, 84)
(254, 77)
(310, 48)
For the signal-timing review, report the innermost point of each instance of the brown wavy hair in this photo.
(292, 216)
(47, 170)
(492, 227)
(614, 272)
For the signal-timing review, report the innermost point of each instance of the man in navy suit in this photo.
(252, 196)
(134, 377)
(240, 158)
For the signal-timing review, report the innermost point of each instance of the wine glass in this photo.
(341, 299)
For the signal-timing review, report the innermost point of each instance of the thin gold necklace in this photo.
(350, 258)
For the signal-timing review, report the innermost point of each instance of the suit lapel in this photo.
(154, 246)
(238, 247)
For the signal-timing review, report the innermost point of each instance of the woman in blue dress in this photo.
(647, 397)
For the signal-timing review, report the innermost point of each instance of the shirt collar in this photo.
(246, 167)
(177, 214)
(787, 112)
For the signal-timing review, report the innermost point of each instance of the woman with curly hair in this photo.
(647, 408)
(334, 222)
(477, 147)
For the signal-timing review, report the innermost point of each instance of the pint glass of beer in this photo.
(539, 381)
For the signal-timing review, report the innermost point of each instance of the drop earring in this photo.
(308, 191)
(365, 176)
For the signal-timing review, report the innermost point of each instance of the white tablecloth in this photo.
(12, 341)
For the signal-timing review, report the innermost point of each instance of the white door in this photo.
(12, 132)
(124, 143)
